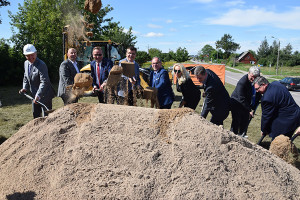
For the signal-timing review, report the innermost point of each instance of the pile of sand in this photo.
(97, 151)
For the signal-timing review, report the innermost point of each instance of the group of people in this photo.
(280, 113)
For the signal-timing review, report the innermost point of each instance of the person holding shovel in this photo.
(243, 104)
(217, 100)
(159, 78)
(67, 71)
(100, 69)
(280, 112)
(132, 81)
(36, 79)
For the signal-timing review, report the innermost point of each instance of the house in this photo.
(247, 58)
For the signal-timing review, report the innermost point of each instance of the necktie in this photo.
(29, 69)
(98, 73)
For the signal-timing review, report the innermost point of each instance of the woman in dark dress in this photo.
(190, 93)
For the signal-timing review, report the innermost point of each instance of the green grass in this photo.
(16, 112)
(282, 71)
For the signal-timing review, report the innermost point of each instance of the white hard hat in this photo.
(28, 49)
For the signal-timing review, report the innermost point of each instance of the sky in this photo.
(191, 24)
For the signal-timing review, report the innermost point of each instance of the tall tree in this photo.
(142, 57)
(154, 52)
(3, 3)
(181, 55)
(227, 44)
(263, 50)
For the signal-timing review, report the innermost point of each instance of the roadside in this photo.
(244, 72)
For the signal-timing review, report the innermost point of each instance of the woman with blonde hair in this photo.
(190, 93)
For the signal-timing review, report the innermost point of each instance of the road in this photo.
(232, 78)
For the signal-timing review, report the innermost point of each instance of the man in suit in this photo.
(159, 78)
(100, 69)
(67, 71)
(36, 79)
(280, 112)
(132, 81)
(244, 101)
(217, 100)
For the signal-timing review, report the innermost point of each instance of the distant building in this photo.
(247, 58)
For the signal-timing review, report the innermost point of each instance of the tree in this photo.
(226, 43)
(154, 52)
(181, 55)
(263, 50)
(142, 57)
(207, 50)
(3, 3)
(41, 22)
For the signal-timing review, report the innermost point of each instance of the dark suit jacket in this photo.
(105, 68)
(190, 93)
(67, 73)
(162, 83)
(280, 113)
(38, 81)
(243, 94)
(217, 100)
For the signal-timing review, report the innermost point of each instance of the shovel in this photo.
(31, 98)
(292, 138)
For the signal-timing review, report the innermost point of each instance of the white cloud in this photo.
(152, 34)
(133, 32)
(169, 21)
(259, 16)
(173, 30)
(154, 26)
(235, 3)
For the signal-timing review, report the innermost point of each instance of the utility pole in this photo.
(277, 54)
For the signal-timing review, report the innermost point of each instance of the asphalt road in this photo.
(232, 78)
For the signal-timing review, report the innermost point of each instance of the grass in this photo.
(282, 71)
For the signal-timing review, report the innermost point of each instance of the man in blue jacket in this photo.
(217, 100)
(159, 78)
(280, 112)
(100, 69)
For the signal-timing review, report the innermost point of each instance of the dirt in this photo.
(103, 151)
(285, 149)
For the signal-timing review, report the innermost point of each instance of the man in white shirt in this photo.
(67, 71)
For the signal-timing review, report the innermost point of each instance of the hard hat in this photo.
(28, 49)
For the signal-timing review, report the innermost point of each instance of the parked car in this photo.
(291, 83)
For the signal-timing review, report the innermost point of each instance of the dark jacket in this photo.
(217, 100)
(162, 83)
(190, 93)
(280, 113)
(243, 93)
(105, 68)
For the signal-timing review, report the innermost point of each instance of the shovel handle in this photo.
(261, 139)
(294, 137)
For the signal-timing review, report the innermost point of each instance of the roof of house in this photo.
(242, 55)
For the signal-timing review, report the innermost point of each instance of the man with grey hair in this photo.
(280, 112)
(244, 101)
(217, 100)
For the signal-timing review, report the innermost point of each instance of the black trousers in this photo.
(240, 118)
(39, 111)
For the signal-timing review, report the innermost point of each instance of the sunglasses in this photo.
(97, 54)
(177, 71)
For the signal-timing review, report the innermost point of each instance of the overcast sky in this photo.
(169, 24)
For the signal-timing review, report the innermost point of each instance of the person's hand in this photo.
(132, 80)
(95, 89)
(37, 98)
(102, 86)
(251, 114)
(22, 91)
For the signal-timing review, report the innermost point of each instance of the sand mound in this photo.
(98, 151)
(285, 149)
